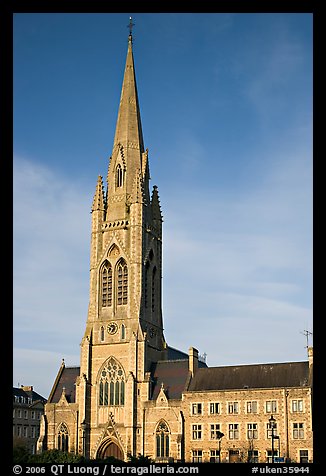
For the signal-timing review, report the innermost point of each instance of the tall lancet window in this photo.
(112, 384)
(122, 282)
(162, 440)
(153, 289)
(63, 437)
(106, 284)
(119, 176)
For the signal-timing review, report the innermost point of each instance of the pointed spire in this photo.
(98, 201)
(128, 131)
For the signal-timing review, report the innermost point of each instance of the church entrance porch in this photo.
(109, 448)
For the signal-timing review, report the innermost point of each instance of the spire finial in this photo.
(131, 24)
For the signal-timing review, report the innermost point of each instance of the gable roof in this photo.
(173, 374)
(275, 375)
(66, 379)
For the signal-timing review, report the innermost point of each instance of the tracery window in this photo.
(63, 437)
(122, 282)
(112, 384)
(162, 440)
(119, 176)
(106, 276)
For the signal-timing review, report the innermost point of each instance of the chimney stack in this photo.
(193, 360)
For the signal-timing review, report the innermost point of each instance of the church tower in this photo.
(124, 329)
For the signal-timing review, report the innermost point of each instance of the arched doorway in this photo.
(109, 448)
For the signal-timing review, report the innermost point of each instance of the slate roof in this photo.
(174, 374)
(19, 392)
(275, 375)
(66, 379)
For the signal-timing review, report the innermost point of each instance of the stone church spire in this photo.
(128, 131)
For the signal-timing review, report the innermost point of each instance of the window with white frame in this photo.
(33, 414)
(304, 456)
(252, 407)
(196, 432)
(197, 456)
(271, 406)
(270, 455)
(215, 431)
(233, 431)
(25, 431)
(197, 409)
(233, 407)
(33, 432)
(269, 430)
(253, 456)
(298, 431)
(252, 431)
(297, 406)
(214, 456)
(214, 408)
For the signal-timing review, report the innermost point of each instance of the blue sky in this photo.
(226, 107)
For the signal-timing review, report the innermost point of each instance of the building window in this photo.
(26, 414)
(33, 432)
(252, 407)
(102, 333)
(197, 456)
(106, 276)
(19, 413)
(122, 282)
(252, 431)
(153, 289)
(234, 431)
(214, 456)
(196, 432)
(215, 430)
(63, 437)
(298, 431)
(196, 409)
(25, 431)
(112, 384)
(38, 415)
(270, 457)
(162, 440)
(123, 331)
(297, 405)
(146, 284)
(119, 176)
(214, 408)
(19, 430)
(233, 407)
(269, 430)
(271, 406)
(304, 456)
(33, 414)
(253, 456)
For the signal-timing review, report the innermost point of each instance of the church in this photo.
(133, 394)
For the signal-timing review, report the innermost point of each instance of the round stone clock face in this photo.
(112, 328)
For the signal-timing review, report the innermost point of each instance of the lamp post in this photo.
(219, 436)
(83, 427)
(272, 426)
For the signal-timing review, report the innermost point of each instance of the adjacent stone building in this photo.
(134, 394)
(28, 409)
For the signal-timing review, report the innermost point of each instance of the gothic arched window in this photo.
(63, 437)
(162, 440)
(106, 284)
(102, 333)
(122, 282)
(112, 384)
(146, 284)
(119, 176)
(153, 288)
